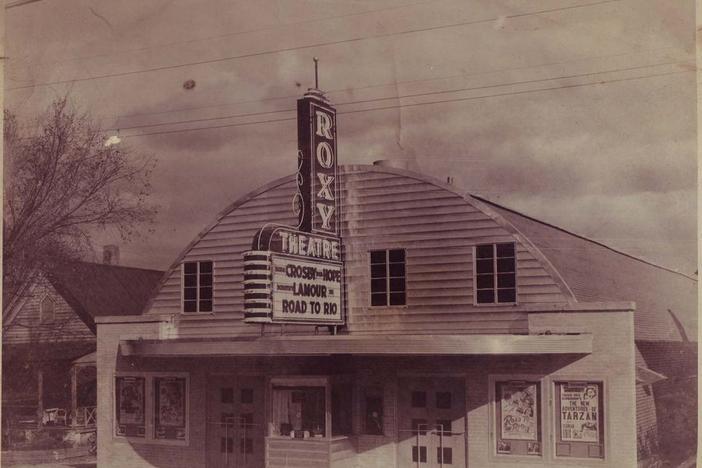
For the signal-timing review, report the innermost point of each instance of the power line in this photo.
(311, 46)
(237, 33)
(20, 3)
(393, 83)
(514, 93)
(398, 106)
(429, 93)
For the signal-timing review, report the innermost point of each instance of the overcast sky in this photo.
(577, 112)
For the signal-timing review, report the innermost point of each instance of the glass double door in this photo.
(235, 422)
(431, 420)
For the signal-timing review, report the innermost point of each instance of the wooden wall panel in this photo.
(437, 227)
(27, 328)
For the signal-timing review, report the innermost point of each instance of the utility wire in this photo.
(20, 3)
(398, 106)
(429, 93)
(237, 33)
(393, 83)
(311, 46)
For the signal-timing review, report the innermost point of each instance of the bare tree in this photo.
(62, 182)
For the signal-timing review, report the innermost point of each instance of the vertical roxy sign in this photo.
(317, 177)
(295, 274)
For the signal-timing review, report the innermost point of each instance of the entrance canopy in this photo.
(383, 345)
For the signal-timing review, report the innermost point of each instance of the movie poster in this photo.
(130, 406)
(580, 411)
(131, 400)
(170, 407)
(518, 410)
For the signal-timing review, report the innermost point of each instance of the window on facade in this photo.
(299, 412)
(46, 310)
(495, 273)
(197, 286)
(373, 402)
(373, 411)
(579, 420)
(518, 418)
(388, 277)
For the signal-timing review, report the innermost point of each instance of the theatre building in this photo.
(369, 316)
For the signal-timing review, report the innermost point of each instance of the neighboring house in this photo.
(49, 340)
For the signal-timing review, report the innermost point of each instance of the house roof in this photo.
(95, 290)
(666, 300)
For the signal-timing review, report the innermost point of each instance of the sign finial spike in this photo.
(316, 72)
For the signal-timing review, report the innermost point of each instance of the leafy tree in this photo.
(63, 181)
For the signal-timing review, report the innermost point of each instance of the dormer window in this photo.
(197, 286)
(46, 310)
(495, 274)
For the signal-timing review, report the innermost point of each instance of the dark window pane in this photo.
(379, 285)
(486, 296)
(246, 445)
(378, 256)
(505, 264)
(446, 457)
(506, 295)
(485, 281)
(397, 255)
(189, 306)
(397, 299)
(205, 306)
(378, 271)
(226, 395)
(483, 251)
(444, 425)
(419, 455)
(443, 400)
(227, 445)
(419, 426)
(379, 299)
(205, 267)
(190, 281)
(374, 415)
(190, 268)
(505, 280)
(247, 395)
(419, 399)
(484, 266)
(190, 294)
(246, 421)
(397, 269)
(206, 293)
(205, 280)
(228, 420)
(397, 284)
(505, 250)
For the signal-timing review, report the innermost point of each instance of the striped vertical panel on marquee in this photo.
(258, 303)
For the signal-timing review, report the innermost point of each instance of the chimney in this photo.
(110, 255)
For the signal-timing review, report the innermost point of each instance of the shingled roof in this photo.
(666, 300)
(95, 290)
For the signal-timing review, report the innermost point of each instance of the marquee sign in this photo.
(295, 274)
(305, 291)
